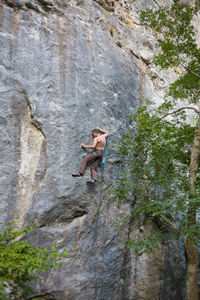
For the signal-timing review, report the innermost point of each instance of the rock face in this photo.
(67, 67)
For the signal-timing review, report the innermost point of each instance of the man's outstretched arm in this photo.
(103, 131)
(90, 146)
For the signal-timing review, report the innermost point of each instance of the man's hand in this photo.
(83, 145)
(103, 131)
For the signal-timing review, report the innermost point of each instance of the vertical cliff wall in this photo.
(67, 67)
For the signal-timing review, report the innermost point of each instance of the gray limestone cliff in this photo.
(66, 67)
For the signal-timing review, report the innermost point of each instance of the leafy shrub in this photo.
(21, 261)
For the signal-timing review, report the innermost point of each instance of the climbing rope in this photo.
(99, 205)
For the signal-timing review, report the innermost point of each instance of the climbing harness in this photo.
(95, 154)
(99, 205)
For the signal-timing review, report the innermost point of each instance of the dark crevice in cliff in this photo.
(34, 121)
(33, 6)
(37, 124)
(61, 213)
(39, 6)
(146, 61)
(106, 4)
(134, 54)
(48, 296)
(156, 3)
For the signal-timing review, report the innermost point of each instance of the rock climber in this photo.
(97, 155)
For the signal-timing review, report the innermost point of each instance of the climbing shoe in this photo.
(77, 174)
(91, 181)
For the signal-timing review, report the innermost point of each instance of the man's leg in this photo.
(85, 160)
(94, 169)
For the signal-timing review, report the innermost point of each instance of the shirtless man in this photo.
(98, 146)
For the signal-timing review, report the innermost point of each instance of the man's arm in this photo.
(103, 131)
(90, 146)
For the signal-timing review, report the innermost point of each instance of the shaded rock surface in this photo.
(63, 73)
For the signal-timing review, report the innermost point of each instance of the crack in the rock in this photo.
(37, 124)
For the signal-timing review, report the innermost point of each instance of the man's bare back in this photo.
(100, 141)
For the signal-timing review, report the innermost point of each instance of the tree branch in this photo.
(180, 62)
(174, 112)
(168, 222)
(188, 69)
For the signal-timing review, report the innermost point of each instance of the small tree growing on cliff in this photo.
(20, 263)
(163, 162)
